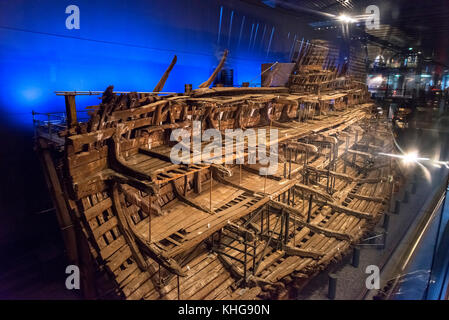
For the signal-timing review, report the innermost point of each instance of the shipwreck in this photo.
(142, 227)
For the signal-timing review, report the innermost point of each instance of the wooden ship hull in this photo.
(142, 227)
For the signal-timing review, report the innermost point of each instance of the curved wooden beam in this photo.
(127, 229)
(216, 71)
(300, 146)
(117, 162)
(295, 214)
(311, 190)
(161, 83)
(138, 244)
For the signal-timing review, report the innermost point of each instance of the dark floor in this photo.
(32, 254)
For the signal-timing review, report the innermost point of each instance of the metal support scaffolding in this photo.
(249, 249)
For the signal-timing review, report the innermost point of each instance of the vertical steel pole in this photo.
(149, 217)
(179, 289)
(210, 191)
(332, 289)
(309, 213)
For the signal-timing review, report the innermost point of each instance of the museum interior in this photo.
(224, 150)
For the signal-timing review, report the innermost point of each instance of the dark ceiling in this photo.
(421, 24)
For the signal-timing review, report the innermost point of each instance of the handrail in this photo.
(437, 202)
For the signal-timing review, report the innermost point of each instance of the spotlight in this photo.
(410, 157)
(407, 158)
(346, 19)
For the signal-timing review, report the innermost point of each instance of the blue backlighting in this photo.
(128, 45)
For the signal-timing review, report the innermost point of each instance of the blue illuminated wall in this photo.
(129, 44)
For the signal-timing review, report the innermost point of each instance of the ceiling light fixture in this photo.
(346, 19)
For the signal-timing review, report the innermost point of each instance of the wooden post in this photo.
(265, 183)
(187, 88)
(197, 181)
(70, 109)
(240, 174)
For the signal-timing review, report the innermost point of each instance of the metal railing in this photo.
(50, 124)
